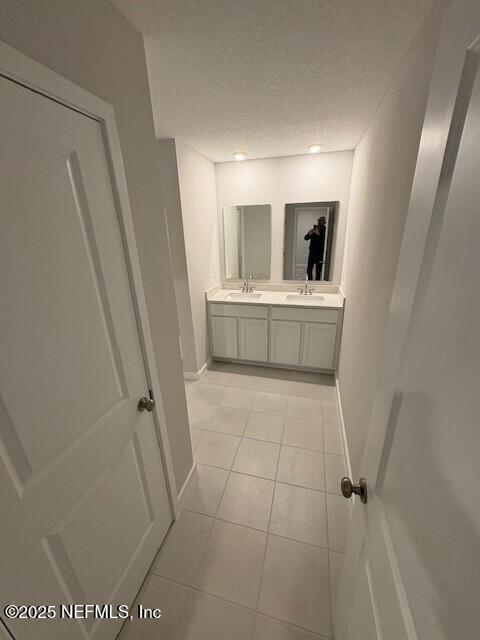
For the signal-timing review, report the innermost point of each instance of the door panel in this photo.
(438, 409)
(81, 474)
(319, 345)
(285, 341)
(363, 624)
(253, 339)
(421, 525)
(224, 337)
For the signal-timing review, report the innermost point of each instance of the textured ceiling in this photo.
(271, 77)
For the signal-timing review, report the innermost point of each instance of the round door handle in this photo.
(359, 489)
(146, 404)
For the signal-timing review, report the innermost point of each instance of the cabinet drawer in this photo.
(305, 315)
(238, 310)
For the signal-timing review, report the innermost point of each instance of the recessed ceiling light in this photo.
(239, 155)
(315, 148)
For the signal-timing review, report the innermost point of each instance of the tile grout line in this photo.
(268, 532)
(214, 518)
(252, 475)
(320, 636)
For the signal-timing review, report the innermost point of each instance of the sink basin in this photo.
(244, 296)
(314, 299)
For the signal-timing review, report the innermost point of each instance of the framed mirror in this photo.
(247, 241)
(309, 240)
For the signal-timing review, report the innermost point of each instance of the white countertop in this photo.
(279, 298)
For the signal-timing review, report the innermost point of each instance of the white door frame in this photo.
(18, 67)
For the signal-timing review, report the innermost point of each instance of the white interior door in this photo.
(412, 569)
(82, 489)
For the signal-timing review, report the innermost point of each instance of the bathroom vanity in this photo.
(276, 328)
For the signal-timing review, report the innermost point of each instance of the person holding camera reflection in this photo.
(316, 235)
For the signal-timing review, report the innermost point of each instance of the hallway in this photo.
(263, 527)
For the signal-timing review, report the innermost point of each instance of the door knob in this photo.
(359, 489)
(146, 404)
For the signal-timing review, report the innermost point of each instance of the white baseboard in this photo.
(196, 375)
(348, 463)
(181, 493)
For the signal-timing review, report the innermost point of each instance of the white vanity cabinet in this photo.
(285, 337)
(318, 349)
(253, 339)
(295, 336)
(224, 337)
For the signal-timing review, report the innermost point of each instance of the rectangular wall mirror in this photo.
(247, 239)
(309, 240)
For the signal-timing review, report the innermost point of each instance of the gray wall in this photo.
(383, 168)
(93, 45)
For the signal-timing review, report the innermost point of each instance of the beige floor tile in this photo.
(200, 412)
(275, 385)
(257, 458)
(270, 403)
(306, 390)
(229, 420)
(295, 585)
(213, 394)
(270, 629)
(196, 436)
(239, 398)
(338, 518)
(301, 467)
(209, 618)
(303, 434)
(217, 449)
(181, 552)
(245, 380)
(331, 413)
(324, 382)
(265, 426)
(328, 393)
(217, 377)
(334, 472)
(232, 563)
(332, 439)
(336, 564)
(299, 514)
(304, 408)
(247, 500)
(157, 593)
(205, 489)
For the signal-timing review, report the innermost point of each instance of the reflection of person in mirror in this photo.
(317, 246)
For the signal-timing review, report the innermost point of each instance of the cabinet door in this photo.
(319, 345)
(285, 341)
(224, 337)
(252, 339)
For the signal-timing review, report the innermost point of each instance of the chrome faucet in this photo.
(246, 287)
(306, 290)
